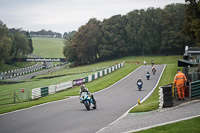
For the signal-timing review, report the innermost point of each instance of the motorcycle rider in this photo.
(153, 70)
(152, 63)
(139, 83)
(84, 89)
(147, 75)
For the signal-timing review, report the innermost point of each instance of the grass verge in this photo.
(186, 126)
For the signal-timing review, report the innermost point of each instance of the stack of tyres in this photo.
(167, 96)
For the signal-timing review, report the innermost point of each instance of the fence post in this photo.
(14, 97)
(190, 90)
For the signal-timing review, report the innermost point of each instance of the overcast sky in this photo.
(67, 15)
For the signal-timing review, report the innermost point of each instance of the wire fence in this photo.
(20, 95)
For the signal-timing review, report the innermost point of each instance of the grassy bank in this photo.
(48, 47)
(5, 67)
(43, 47)
(186, 126)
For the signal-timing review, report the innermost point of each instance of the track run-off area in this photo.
(70, 116)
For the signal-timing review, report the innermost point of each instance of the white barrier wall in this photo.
(90, 78)
(109, 70)
(113, 68)
(101, 73)
(95, 75)
(105, 71)
(36, 93)
(52, 89)
(64, 86)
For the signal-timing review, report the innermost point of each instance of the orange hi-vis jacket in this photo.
(179, 79)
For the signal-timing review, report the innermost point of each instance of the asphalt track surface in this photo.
(69, 116)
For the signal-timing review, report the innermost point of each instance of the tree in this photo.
(30, 42)
(5, 43)
(113, 42)
(192, 21)
(82, 48)
(20, 45)
(66, 35)
(173, 41)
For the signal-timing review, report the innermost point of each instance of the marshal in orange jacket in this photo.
(179, 79)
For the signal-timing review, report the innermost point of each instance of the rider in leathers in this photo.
(84, 89)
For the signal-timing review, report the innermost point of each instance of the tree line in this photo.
(44, 33)
(153, 31)
(14, 44)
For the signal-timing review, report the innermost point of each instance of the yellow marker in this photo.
(138, 101)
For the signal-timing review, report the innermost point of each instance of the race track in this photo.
(69, 116)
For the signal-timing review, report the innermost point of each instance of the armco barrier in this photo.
(195, 89)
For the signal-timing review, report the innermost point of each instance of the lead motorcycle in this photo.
(139, 84)
(87, 100)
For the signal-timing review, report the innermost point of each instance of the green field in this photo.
(43, 47)
(48, 47)
(186, 126)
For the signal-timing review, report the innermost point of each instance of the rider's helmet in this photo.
(82, 87)
(139, 78)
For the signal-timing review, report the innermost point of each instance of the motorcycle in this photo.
(87, 100)
(139, 84)
(148, 76)
(153, 71)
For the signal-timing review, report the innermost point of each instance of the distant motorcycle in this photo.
(153, 70)
(147, 76)
(139, 84)
(87, 100)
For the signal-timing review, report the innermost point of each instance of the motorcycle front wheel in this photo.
(87, 105)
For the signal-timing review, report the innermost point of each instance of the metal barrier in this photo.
(194, 89)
